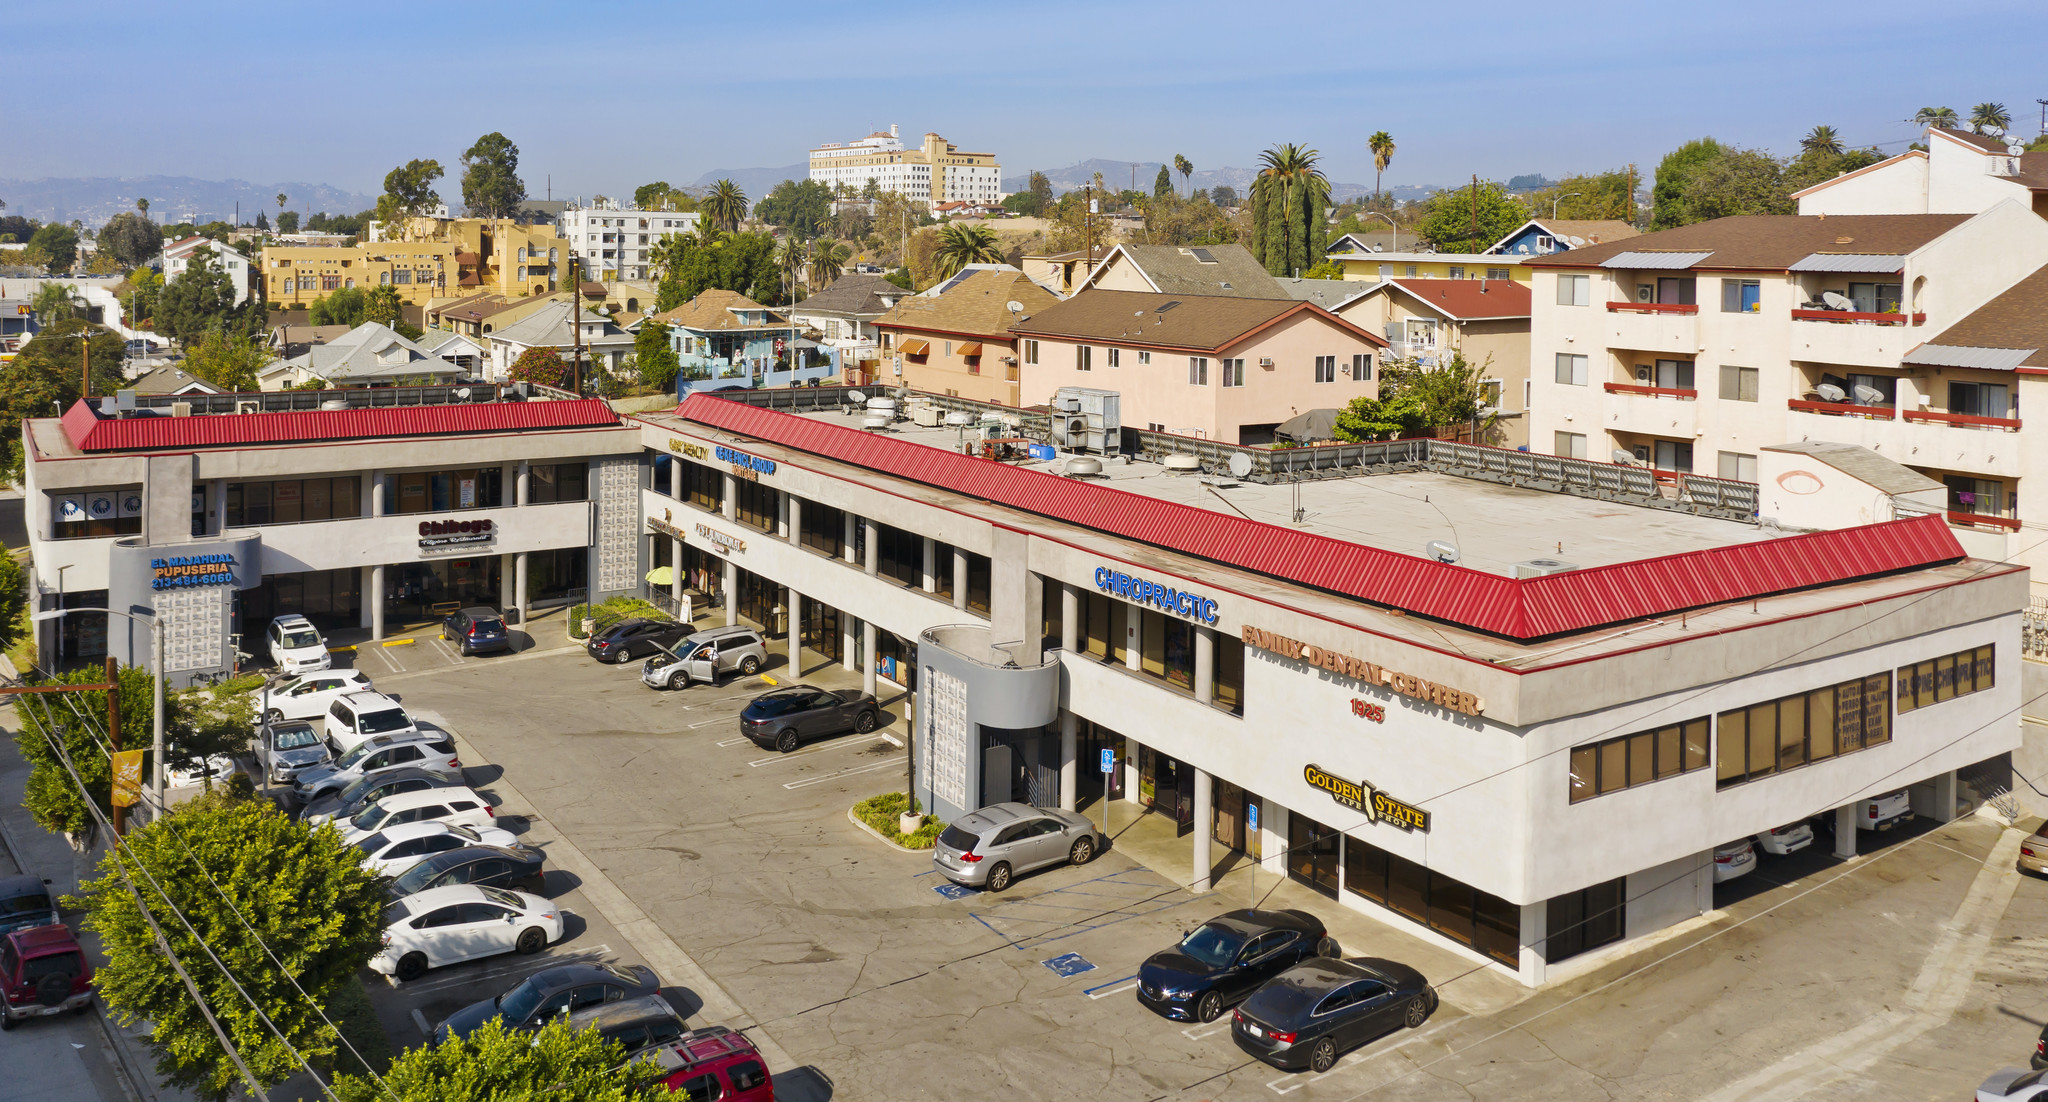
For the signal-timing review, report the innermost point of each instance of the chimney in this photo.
(892, 130)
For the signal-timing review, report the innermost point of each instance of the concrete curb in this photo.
(879, 836)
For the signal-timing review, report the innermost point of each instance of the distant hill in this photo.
(756, 182)
(95, 199)
(1117, 175)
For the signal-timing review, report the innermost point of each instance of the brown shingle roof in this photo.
(977, 305)
(1202, 323)
(1229, 271)
(852, 294)
(2017, 319)
(1771, 242)
(712, 309)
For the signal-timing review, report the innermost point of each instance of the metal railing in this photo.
(351, 398)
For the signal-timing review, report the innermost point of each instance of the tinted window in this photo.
(417, 877)
(704, 1088)
(370, 819)
(777, 704)
(390, 719)
(1011, 834)
(25, 905)
(411, 848)
(482, 912)
(446, 916)
(1213, 945)
(590, 994)
(959, 839)
(62, 964)
(632, 1037)
(440, 843)
(521, 1000)
(747, 1075)
(396, 912)
(373, 843)
(1338, 999)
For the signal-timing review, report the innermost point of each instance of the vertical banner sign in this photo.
(127, 778)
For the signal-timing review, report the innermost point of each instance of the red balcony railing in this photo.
(1653, 308)
(1984, 520)
(1842, 409)
(1964, 420)
(1851, 315)
(1686, 393)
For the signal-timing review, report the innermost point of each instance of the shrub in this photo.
(884, 812)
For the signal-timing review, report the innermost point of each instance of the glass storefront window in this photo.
(1230, 673)
(980, 573)
(547, 483)
(824, 528)
(900, 558)
(331, 599)
(84, 514)
(1457, 910)
(703, 486)
(292, 501)
(1582, 920)
(658, 475)
(445, 491)
(419, 590)
(757, 506)
(561, 575)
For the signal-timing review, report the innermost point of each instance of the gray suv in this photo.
(704, 656)
(988, 848)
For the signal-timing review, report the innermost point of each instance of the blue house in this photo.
(727, 341)
(1543, 236)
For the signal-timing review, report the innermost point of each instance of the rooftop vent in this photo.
(1537, 568)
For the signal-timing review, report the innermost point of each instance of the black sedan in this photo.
(1317, 1009)
(476, 630)
(629, 639)
(788, 717)
(516, 867)
(550, 992)
(1227, 958)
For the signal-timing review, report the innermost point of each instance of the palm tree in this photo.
(1382, 145)
(1988, 117)
(143, 206)
(789, 260)
(1944, 117)
(725, 206)
(828, 259)
(1183, 166)
(1289, 197)
(280, 204)
(964, 243)
(1821, 139)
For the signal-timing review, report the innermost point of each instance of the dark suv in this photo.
(637, 637)
(42, 972)
(476, 630)
(25, 902)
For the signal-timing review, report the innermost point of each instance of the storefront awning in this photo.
(971, 348)
(914, 347)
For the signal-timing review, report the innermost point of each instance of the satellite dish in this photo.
(1868, 395)
(462, 393)
(1014, 306)
(1836, 300)
(856, 397)
(1240, 465)
(1441, 551)
(1829, 392)
(2013, 147)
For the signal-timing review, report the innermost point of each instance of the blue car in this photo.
(477, 631)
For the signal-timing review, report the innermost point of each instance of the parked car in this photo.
(1884, 812)
(2034, 852)
(1319, 1009)
(286, 749)
(704, 656)
(493, 865)
(399, 848)
(25, 902)
(456, 806)
(560, 990)
(357, 717)
(476, 631)
(638, 1023)
(433, 751)
(1225, 959)
(989, 847)
(2040, 1059)
(310, 696)
(1733, 860)
(1791, 838)
(627, 639)
(463, 922)
(188, 772)
(788, 717)
(42, 972)
(715, 1062)
(350, 801)
(296, 646)
(2014, 1085)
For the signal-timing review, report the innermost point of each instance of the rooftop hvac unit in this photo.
(1087, 419)
(927, 415)
(1537, 568)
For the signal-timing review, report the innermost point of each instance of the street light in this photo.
(1390, 225)
(156, 635)
(1556, 199)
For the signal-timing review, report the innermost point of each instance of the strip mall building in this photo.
(1529, 755)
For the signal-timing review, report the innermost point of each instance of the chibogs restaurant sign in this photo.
(443, 533)
(1362, 797)
(1407, 685)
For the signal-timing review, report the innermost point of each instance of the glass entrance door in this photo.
(1312, 853)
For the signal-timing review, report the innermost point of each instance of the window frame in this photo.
(1198, 371)
(1639, 758)
(1574, 290)
(1573, 369)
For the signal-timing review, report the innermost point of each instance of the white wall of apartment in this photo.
(1801, 491)
(1974, 263)
(1894, 186)
(1960, 178)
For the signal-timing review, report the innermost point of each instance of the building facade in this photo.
(178, 259)
(616, 242)
(936, 171)
(958, 341)
(1485, 321)
(296, 275)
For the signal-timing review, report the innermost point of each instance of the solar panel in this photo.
(1167, 306)
(1203, 256)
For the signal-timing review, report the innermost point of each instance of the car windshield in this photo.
(372, 844)
(503, 898)
(25, 905)
(1213, 945)
(302, 638)
(295, 738)
(959, 839)
(391, 719)
(414, 879)
(776, 704)
(395, 913)
(369, 818)
(521, 1000)
(687, 648)
(465, 831)
(355, 791)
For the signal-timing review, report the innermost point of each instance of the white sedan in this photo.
(308, 696)
(392, 851)
(2014, 1085)
(442, 926)
(192, 772)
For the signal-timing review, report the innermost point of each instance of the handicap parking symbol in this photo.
(1070, 964)
(954, 891)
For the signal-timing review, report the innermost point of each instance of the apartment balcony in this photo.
(1654, 327)
(1854, 339)
(1917, 438)
(1669, 412)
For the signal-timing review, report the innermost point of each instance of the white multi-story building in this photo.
(615, 242)
(935, 172)
(179, 254)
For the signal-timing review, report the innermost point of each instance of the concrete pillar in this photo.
(931, 565)
(375, 495)
(216, 506)
(1272, 836)
(732, 593)
(1070, 767)
(1203, 830)
(508, 598)
(729, 500)
(846, 644)
(1205, 664)
(1134, 639)
(1535, 920)
(524, 496)
(375, 596)
(1070, 619)
(1130, 767)
(364, 614)
(675, 477)
(519, 590)
(870, 664)
(1945, 796)
(1845, 830)
(508, 484)
(678, 577)
(959, 578)
(793, 519)
(871, 555)
(794, 602)
(851, 537)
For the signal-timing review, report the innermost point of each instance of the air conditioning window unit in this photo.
(1265, 361)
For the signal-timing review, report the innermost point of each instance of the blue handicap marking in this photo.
(954, 891)
(1069, 964)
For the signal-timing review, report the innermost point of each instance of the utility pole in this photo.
(2044, 116)
(85, 364)
(114, 732)
(576, 322)
(1475, 212)
(1631, 193)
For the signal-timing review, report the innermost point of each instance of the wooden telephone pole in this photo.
(113, 690)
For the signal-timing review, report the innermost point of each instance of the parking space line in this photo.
(823, 777)
(524, 966)
(733, 741)
(1295, 1082)
(835, 744)
(1105, 990)
(442, 646)
(420, 1020)
(1191, 1034)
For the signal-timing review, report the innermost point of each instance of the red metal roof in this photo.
(90, 432)
(1527, 608)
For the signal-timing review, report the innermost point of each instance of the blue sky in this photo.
(604, 97)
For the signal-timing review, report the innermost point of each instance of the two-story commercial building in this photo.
(955, 338)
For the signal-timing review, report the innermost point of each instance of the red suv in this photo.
(42, 972)
(715, 1063)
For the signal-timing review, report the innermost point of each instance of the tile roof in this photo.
(977, 305)
(1196, 322)
(1469, 299)
(2017, 320)
(1523, 609)
(90, 432)
(856, 293)
(712, 310)
(1771, 242)
(1230, 272)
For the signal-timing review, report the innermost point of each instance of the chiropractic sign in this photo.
(1177, 602)
(1362, 797)
(1294, 650)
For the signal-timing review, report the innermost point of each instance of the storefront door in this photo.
(821, 629)
(421, 591)
(1312, 853)
(1230, 811)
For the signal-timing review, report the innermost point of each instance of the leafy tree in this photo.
(743, 262)
(312, 906)
(1025, 203)
(964, 243)
(1988, 118)
(1328, 269)
(852, 223)
(53, 797)
(801, 208)
(1289, 197)
(43, 379)
(348, 306)
(54, 246)
(228, 362)
(539, 365)
(1448, 221)
(1413, 399)
(725, 206)
(409, 192)
(131, 239)
(1162, 185)
(382, 305)
(651, 196)
(1601, 195)
(900, 277)
(1223, 195)
(1382, 146)
(55, 302)
(1667, 196)
(492, 1065)
(1821, 139)
(1813, 167)
(13, 601)
(1944, 117)
(287, 221)
(491, 187)
(828, 259)
(1185, 167)
(262, 221)
(789, 261)
(1740, 181)
(655, 356)
(349, 224)
(202, 298)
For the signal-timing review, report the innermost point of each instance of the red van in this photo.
(715, 1064)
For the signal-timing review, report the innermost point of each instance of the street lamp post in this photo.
(1390, 225)
(156, 650)
(1554, 201)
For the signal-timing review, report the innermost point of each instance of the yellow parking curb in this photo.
(338, 650)
(770, 680)
(397, 642)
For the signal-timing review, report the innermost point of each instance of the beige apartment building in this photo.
(1485, 320)
(295, 275)
(936, 171)
(958, 342)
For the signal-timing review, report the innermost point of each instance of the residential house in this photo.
(1378, 267)
(170, 379)
(842, 317)
(614, 242)
(958, 342)
(1061, 273)
(1958, 173)
(1229, 369)
(1387, 241)
(1216, 271)
(604, 343)
(1333, 295)
(179, 256)
(1485, 320)
(1543, 236)
(371, 354)
(727, 341)
(462, 351)
(288, 340)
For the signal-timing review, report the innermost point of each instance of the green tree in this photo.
(228, 362)
(491, 187)
(1667, 196)
(655, 356)
(789, 262)
(280, 214)
(743, 262)
(76, 723)
(383, 306)
(288, 909)
(872, 189)
(202, 298)
(55, 302)
(287, 221)
(54, 246)
(1381, 144)
(1813, 167)
(801, 208)
(262, 221)
(1821, 139)
(348, 306)
(1024, 203)
(651, 196)
(828, 259)
(1162, 184)
(13, 601)
(1185, 167)
(1289, 197)
(132, 239)
(1944, 117)
(725, 206)
(493, 1065)
(1414, 399)
(1600, 195)
(539, 365)
(1989, 118)
(1740, 181)
(409, 193)
(964, 243)
(1448, 217)
(43, 379)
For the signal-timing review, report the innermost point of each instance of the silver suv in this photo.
(704, 656)
(988, 848)
(431, 750)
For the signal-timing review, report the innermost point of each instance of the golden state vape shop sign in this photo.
(182, 571)
(1362, 797)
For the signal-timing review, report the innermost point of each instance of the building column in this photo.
(1535, 917)
(871, 555)
(1945, 796)
(678, 577)
(374, 507)
(931, 565)
(794, 602)
(1070, 619)
(1205, 665)
(1070, 766)
(1272, 837)
(1203, 830)
(363, 587)
(376, 599)
(1130, 767)
(960, 579)
(1134, 639)
(732, 593)
(870, 664)
(729, 500)
(846, 644)
(524, 495)
(793, 519)
(851, 536)
(507, 592)
(675, 476)
(217, 507)
(519, 590)
(1845, 830)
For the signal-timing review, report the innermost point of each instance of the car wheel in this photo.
(679, 679)
(274, 715)
(1323, 1056)
(999, 876)
(750, 665)
(1209, 1007)
(786, 741)
(7, 1021)
(864, 723)
(1327, 947)
(412, 966)
(1418, 1011)
(1082, 853)
(532, 940)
